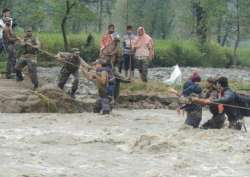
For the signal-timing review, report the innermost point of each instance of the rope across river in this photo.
(66, 62)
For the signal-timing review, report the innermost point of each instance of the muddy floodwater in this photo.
(142, 143)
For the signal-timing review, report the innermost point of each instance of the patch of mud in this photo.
(17, 97)
(145, 101)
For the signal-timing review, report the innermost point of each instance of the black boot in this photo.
(35, 86)
(71, 94)
(237, 125)
(19, 76)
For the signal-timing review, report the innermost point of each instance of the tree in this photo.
(69, 9)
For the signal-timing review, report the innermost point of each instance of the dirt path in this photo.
(142, 143)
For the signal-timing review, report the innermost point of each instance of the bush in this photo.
(190, 53)
(168, 52)
(54, 43)
(244, 57)
(215, 56)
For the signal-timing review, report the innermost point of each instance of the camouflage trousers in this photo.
(64, 76)
(103, 105)
(32, 68)
(142, 66)
(194, 118)
(11, 62)
(216, 122)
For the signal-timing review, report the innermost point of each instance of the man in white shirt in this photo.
(6, 13)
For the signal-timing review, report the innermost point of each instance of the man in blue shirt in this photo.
(128, 53)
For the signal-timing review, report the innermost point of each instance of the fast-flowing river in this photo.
(142, 143)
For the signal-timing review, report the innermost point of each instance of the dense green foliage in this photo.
(188, 32)
(168, 52)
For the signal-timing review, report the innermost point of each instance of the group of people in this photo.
(29, 48)
(221, 100)
(137, 52)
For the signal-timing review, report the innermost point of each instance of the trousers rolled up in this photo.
(32, 69)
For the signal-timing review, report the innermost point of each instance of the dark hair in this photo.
(196, 77)
(223, 81)
(111, 26)
(5, 10)
(129, 27)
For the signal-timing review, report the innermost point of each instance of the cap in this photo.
(75, 50)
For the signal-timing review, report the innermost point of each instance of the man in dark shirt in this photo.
(228, 97)
(211, 92)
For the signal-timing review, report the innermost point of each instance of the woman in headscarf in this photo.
(144, 52)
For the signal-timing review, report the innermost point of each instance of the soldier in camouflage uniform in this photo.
(218, 119)
(72, 63)
(31, 45)
(9, 40)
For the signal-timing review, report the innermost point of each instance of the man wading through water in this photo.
(194, 111)
(144, 52)
(72, 63)
(104, 80)
(228, 97)
(218, 118)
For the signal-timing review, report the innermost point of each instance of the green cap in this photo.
(75, 50)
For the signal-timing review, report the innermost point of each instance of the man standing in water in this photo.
(228, 97)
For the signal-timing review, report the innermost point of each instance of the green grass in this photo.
(151, 88)
(244, 56)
